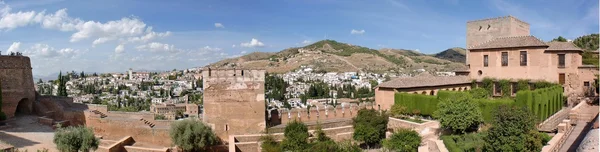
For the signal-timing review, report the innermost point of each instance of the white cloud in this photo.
(253, 43)
(208, 48)
(120, 49)
(219, 25)
(233, 46)
(127, 29)
(157, 47)
(243, 52)
(360, 32)
(306, 42)
(14, 47)
(46, 51)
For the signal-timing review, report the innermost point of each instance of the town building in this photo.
(502, 48)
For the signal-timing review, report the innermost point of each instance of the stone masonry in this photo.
(234, 101)
(480, 31)
(16, 80)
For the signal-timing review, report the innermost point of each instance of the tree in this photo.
(62, 85)
(269, 144)
(82, 75)
(560, 39)
(73, 139)
(369, 126)
(403, 140)
(398, 110)
(192, 135)
(512, 131)
(458, 114)
(296, 136)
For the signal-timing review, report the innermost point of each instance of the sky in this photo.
(115, 35)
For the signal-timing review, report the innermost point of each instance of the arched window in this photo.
(424, 92)
(432, 92)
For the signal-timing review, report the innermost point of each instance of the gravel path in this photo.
(24, 133)
(590, 142)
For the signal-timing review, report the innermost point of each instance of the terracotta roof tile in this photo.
(562, 46)
(510, 42)
(424, 80)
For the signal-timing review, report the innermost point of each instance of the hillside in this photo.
(333, 56)
(588, 43)
(453, 54)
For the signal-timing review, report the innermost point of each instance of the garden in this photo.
(491, 116)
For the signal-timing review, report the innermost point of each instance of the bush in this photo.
(269, 144)
(424, 103)
(523, 85)
(488, 84)
(479, 93)
(505, 87)
(466, 142)
(73, 139)
(489, 106)
(511, 130)
(545, 138)
(403, 140)
(398, 110)
(296, 136)
(160, 117)
(458, 114)
(192, 135)
(369, 126)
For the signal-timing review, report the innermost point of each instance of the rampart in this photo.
(234, 101)
(16, 81)
(320, 113)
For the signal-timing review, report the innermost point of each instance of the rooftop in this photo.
(510, 42)
(562, 46)
(424, 80)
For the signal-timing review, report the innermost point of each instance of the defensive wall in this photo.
(234, 101)
(317, 113)
(18, 92)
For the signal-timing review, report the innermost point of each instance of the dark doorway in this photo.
(24, 107)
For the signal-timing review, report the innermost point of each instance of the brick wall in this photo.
(17, 84)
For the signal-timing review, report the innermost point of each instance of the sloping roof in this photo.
(510, 42)
(562, 46)
(424, 80)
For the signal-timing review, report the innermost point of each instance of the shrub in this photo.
(511, 130)
(269, 144)
(488, 84)
(296, 136)
(543, 84)
(398, 110)
(479, 93)
(403, 140)
(465, 142)
(192, 135)
(473, 84)
(424, 103)
(458, 114)
(505, 87)
(523, 85)
(489, 106)
(369, 126)
(545, 138)
(159, 117)
(73, 139)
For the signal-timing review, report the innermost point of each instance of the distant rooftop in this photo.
(424, 80)
(510, 42)
(562, 46)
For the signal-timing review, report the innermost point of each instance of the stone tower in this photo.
(480, 31)
(234, 101)
(16, 80)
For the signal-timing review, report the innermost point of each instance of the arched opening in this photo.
(24, 107)
(432, 92)
(460, 89)
(453, 89)
(424, 92)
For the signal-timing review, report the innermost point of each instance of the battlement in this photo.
(14, 62)
(320, 113)
(243, 75)
(509, 17)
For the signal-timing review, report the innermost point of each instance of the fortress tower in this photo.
(18, 92)
(234, 101)
(480, 31)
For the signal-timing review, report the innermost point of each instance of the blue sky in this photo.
(114, 35)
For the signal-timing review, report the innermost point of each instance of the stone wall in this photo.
(384, 97)
(234, 101)
(323, 113)
(16, 81)
(480, 31)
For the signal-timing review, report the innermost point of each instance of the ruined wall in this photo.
(384, 97)
(321, 114)
(234, 101)
(17, 84)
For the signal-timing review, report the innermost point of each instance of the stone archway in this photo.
(23, 107)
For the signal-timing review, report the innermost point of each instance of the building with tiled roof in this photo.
(502, 48)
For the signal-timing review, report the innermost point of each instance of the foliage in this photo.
(465, 142)
(424, 103)
(505, 87)
(318, 90)
(542, 103)
(479, 93)
(321, 135)
(62, 85)
(545, 138)
(269, 144)
(160, 117)
(543, 84)
(510, 130)
(473, 84)
(488, 107)
(275, 87)
(560, 39)
(488, 84)
(348, 50)
(458, 114)
(403, 140)
(522, 85)
(370, 126)
(192, 135)
(296, 136)
(587, 42)
(397, 110)
(73, 139)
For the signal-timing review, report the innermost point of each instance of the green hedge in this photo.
(543, 102)
(463, 143)
(424, 103)
(489, 106)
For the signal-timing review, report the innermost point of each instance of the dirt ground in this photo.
(24, 133)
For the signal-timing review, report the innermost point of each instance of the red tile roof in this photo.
(510, 42)
(562, 46)
(424, 80)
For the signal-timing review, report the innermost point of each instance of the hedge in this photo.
(424, 103)
(489, 106)
(543, 102)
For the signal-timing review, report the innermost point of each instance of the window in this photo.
(523, 58)
(485, 60)
(497, 89)
(586, 84)
(561, 78)
(561, 60)
(504, 58)
(514, 88)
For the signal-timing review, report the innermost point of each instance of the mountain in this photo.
(453, 54)
(333, 56)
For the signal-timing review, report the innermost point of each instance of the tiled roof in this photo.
(510, 42)
(562, 46)
(424, 80)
